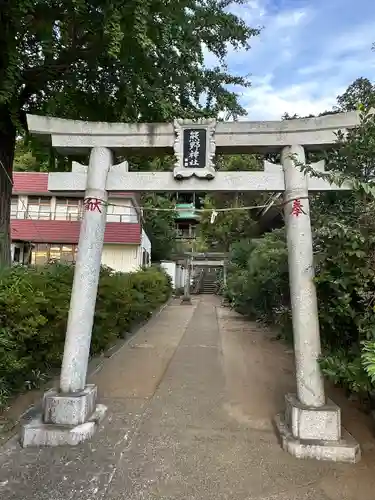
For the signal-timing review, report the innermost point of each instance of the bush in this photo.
(34, 305)
(258, 287)
(345, 278)
(257, 283)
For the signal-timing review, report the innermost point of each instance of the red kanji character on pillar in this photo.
(297, 208)
(92, 204)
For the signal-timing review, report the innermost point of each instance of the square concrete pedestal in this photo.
(66, 419)
(307, 432)
(186, 301)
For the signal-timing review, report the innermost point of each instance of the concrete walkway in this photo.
(191, 401)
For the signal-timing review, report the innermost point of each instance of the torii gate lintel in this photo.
(119, 178)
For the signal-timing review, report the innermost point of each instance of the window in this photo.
(43, 253)
(68, 209)
(14, 207)
(187, 198)
(121, 211)
(39, 207)
(184, 231)
(54, 252)
(39, 254)
(68, 253)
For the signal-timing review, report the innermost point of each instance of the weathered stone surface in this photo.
(270, 181)
(69, 409)
(86, 276)
(37, 433)
(303, 299)
(75, 136)
(304, 422)
(344, 450)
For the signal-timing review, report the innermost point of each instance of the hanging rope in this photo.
(97, 202)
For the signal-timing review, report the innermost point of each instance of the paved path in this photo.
(191, 401)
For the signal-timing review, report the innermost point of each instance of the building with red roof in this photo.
(45, 226)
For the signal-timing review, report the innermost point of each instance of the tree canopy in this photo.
(359, 93)
(114, 60)
(111, 60)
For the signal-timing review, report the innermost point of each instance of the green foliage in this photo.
(344, 253)
(160, 225)
(106, 60)
(345, 369)
(368, 359)
(345, 278)
(34, 306)
(30, 155)
(236, 224)
(360, 92)
(244, 162)
(257, 286)
(227, 226)
(111, 60)
(240, 253)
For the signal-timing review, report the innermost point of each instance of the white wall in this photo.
(180, 276)
(145, 242)
(123, 258)
(170, 268)
(177, 273)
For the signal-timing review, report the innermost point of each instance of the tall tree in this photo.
(134, 60)
(360, 93)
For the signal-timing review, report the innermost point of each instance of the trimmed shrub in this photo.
(345, 279)
(257, 283)
(34, 305)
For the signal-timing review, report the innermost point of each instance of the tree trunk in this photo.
(7, 144)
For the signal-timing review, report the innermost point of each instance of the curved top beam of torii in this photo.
(76, 136)
(194, 144)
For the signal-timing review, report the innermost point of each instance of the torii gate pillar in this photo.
(310, 387)
(186, 298)
(311, 425)
(71, 414)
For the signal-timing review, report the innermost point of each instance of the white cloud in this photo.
(264, 101)
(307, 54)
(289, 19)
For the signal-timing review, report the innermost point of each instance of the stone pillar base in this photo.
(66, 419)
(186, 301)
(69, 409)
(307, 432)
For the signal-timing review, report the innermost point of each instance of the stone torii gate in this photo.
(310, 425)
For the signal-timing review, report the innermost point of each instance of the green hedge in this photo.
(258, 287)
(257, 282)
(34, 306)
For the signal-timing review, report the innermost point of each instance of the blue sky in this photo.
(308, 52)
